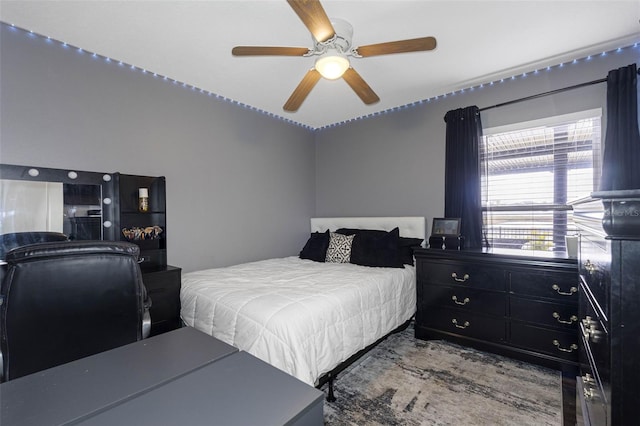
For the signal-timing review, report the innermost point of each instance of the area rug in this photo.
(406, 381)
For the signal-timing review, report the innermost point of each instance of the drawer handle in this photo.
(572, 319)
(590, 267)
(590, 330)
(460, 280)
(464, 302)
(572, 348)
(588, 389)
(455, 322)
(572, 290)
(141, 259)
(589, 393)
(588, 379)
(587, 321)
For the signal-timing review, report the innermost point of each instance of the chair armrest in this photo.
(146, 324)
(146, 316)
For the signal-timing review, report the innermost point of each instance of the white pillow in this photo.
(339, 250)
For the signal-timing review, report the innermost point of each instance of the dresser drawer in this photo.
(464, 274)
(550, 314)
(463, 298)
(551, 285)
(466, 324)
(591, 400)
(557, 343)
(594, 267)
(595, 338)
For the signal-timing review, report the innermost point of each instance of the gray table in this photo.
(181, 377)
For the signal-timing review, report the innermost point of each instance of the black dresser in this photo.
(521, 306)
(609, 266)
(524, 307)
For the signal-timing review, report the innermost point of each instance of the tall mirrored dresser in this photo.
(609, 311)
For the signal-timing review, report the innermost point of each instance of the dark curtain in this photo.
(462, 197)
(621, 159)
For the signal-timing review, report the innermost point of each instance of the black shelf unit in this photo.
(161, 280)
(153, 252)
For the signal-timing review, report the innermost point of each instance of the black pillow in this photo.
(405, 244)
(374, 247)
(316, 247)
(406, 248)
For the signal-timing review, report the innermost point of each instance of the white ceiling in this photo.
(190, 41)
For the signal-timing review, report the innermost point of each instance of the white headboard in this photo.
(410, 226)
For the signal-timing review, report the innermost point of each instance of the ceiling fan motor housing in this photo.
(340, 42)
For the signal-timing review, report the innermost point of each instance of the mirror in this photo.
(82, 212)
(75, 203)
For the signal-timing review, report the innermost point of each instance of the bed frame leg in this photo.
(330, 396)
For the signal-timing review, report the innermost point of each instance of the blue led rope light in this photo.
(290, 121)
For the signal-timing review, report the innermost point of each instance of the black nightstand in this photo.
(163, 287)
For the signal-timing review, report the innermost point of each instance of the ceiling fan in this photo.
(332, 46)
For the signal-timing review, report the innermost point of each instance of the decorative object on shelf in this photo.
(132, 189)
(445, 234)
(143, 199)
(138, 234)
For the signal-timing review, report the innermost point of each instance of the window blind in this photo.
(531, 174)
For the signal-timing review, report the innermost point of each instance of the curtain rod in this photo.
(552, 92)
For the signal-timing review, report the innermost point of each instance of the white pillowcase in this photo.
(339, 250)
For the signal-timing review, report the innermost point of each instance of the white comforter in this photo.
(300, 316)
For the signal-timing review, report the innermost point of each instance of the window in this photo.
(531, 172)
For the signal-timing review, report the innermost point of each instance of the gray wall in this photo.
(393, 164)
(240, 185)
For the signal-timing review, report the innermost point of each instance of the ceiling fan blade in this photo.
(300, 93)
(401, 46)
(268, 50)
(314, 18)
(360, 86)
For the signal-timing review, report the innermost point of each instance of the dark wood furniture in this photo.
(153, 252)
(157, 381)
(163, 287)
(104, 204)
(161, 280)
(609, 266)
(521, 306)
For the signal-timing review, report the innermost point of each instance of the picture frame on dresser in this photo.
(445, 227)
(445, 233)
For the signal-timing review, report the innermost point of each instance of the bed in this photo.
(308, 317)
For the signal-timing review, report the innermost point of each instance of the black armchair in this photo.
(18, 239)
(61, 301)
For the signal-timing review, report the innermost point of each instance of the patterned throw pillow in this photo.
(339, 250)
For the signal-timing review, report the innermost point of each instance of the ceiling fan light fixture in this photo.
(332, 65)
